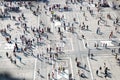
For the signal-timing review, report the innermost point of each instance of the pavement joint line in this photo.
(90, 69)
(35, 67)
(90, 43)
(22, 59)
(72, 45)
(47, 71)
(83, 43)
(38, 20)
(57, 69)
(71, 67)
(104, 39)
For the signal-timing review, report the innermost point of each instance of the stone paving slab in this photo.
(111, 63)
(32, 65)
(20, 69)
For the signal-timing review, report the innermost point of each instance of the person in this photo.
(89, 55)
(20, 59)
(106, 72)
(49, 76)
(104, 65)
(38, 71)
(79, 72)
(14, 61)
(83, 36)
(76, 59)
(105, 76)
(112, 50)
(63, 69)
(97, 72)
(52, 74)
(7, 54)
(87, 27)
(80, 8)
(85, 44)
(38, 56)
(70, 76)
(47, 50)
(100, 68)
(98, 22)
(85, 66)
(116, 56)
(92, 55)
(78, 64)
(106, 45)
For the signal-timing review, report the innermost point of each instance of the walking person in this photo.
(97, 72)
(20, 59)
(79, 72)
(7, 54)
(98, 22)
(76, 59)
(49, 76)
(53, 75)
(38, 71)
(100, 68)
(116, 56)
(87, 27)
(86, 45)
(14, 61)
(38, 55)
(85, 66)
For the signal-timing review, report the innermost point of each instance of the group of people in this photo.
(42, 33)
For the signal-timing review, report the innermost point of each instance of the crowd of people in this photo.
(41, 34)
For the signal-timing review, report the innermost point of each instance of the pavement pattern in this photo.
(65, 34)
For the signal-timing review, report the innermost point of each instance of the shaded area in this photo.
(8, 76)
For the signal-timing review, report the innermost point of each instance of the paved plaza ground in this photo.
(52, 40)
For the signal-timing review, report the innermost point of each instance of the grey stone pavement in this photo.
(36, 63)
